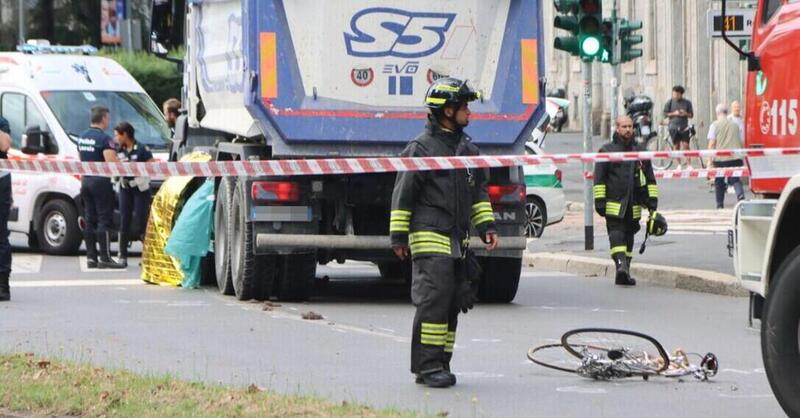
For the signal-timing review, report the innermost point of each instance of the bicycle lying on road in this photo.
(663, 142)
(606, 354)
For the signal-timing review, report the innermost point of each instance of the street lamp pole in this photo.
(21, 33)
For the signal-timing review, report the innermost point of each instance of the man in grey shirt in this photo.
(679, 111)
(724, 134)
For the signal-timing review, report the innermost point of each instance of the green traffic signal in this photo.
(590, 46)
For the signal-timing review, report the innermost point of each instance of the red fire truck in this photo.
(766, 233)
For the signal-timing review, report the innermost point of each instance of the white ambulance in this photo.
(46, 93)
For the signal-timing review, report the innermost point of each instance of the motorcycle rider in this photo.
(430, 218)
(621, 189)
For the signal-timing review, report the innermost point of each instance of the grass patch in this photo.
(32, 385)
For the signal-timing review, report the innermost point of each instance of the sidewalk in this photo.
(692, 256)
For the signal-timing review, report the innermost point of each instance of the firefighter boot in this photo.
(623, 277)
(5, 291)
(440, 379)
(420, 380)
(91, 250)
(122, 255)
(105, 261)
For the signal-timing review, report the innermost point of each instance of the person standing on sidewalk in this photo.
(724, 134)
(97, 193)
(430, 220)
(679, 111)
(621, 190)
(5, 208)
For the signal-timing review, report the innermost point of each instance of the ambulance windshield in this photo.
(71, 108)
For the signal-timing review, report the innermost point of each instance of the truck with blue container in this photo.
(308, 79)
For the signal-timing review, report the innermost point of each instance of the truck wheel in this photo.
(500, 279)
(252, 274)
(779, 334)
(222, 256)
(57, 228)
(395, 270)
(297, 274)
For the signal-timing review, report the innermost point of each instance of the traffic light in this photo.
(568, 21)
(628, 40)
(590, 30)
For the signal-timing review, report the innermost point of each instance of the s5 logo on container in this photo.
(386, 32)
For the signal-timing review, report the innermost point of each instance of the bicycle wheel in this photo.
(554, 356)
(631, 351)
(660, 143)
(694, 144)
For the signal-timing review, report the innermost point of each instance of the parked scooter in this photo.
(640, 109)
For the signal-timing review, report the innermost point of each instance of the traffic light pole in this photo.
(615, 75)
(588, 197)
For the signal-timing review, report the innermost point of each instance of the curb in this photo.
(663, 276)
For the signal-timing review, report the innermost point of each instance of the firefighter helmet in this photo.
(449, 91)
(656, 224)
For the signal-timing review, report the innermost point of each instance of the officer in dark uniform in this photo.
(621, 190)
(97, 193)
(5, 208)
(430, 220)
(134, 192)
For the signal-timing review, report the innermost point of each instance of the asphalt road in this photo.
(359, 352)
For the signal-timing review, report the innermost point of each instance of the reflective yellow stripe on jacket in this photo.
(482, 213)
(600, 191)
(400, 221)
(429, 242)
(652, 190)
(613, 208)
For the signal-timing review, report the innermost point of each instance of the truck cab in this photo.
(46, 93)
(764, 240)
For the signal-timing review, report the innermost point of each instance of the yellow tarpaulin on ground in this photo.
(157, 267)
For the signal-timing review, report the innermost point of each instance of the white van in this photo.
(46, 98)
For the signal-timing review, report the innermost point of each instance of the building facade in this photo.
(677, 50)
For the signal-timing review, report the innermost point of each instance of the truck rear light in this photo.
(511, 193)
(275, 191)
(559, 175)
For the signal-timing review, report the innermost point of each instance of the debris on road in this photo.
(312, 316)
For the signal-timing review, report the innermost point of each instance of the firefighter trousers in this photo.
(433, 292)
(621, 233)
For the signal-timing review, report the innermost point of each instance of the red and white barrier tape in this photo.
(354, 165)
(692, 174)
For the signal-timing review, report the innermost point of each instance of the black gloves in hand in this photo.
(467, 295)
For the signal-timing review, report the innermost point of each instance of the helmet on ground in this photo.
(449, 91)
(656, 224)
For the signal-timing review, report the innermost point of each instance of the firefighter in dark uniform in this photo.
(134, 192)
(621, 191)
(5, 209)
(97, 193)
(430, 221)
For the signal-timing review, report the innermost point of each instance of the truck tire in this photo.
(222, 254)
(57, 228)
(500, 279)
(296, 277)
(252, 274)
(392, 270)
(779, 334)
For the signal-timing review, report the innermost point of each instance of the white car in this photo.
(545, 203)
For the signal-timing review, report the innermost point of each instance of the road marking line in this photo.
(576, 389)
(76, 283)
(26, 263)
